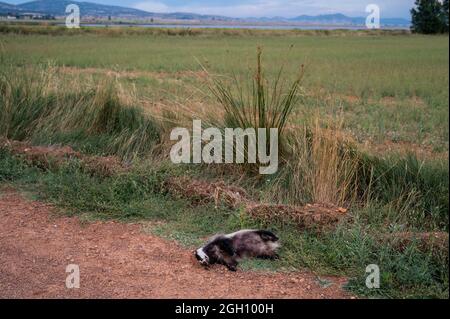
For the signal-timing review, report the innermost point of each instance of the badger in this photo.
(228, 249)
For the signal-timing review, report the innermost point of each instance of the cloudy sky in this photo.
(268, 8)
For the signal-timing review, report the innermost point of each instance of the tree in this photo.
(428, 16)
(444, 15)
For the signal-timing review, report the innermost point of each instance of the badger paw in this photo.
(232, 267)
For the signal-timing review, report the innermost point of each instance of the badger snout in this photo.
(201, 257)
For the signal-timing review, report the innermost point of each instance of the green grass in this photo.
(417, 190)
(409, 69)
(139, 196)
(355, 65)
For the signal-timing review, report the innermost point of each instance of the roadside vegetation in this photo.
(392, 199)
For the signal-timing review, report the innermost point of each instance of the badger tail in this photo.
(267, 235)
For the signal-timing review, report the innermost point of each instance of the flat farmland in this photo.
(386, 88)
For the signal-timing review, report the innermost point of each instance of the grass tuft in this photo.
(264, 105)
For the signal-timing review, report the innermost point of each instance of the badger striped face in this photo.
(201, 256)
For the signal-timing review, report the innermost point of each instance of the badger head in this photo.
(218, 250)
(201, 256)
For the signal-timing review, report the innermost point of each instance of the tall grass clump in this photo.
(319, 167)
(37, 106)
(260, 104)
(257, 103)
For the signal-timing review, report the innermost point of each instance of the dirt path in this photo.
(120, 261)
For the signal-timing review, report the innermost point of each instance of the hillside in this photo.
(57, 8)
(8, 8)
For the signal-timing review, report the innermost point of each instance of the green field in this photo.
(388, 88)
(381, 99)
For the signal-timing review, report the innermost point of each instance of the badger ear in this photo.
(226, 245)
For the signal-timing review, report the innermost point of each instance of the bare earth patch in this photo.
(119, 260)
(53, 155)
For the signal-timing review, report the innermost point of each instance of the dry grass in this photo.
(36, 106)
(320, 167)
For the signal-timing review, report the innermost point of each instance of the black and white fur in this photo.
(228, 249)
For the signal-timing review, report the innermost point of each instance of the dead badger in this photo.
(228, 249)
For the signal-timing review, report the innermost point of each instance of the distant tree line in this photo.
(430, 16)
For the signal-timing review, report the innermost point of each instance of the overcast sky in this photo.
(268, 8)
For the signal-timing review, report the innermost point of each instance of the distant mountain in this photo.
(191, 16)
(58, 8)
(338, 18)
(6, 8)
(11, 9)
